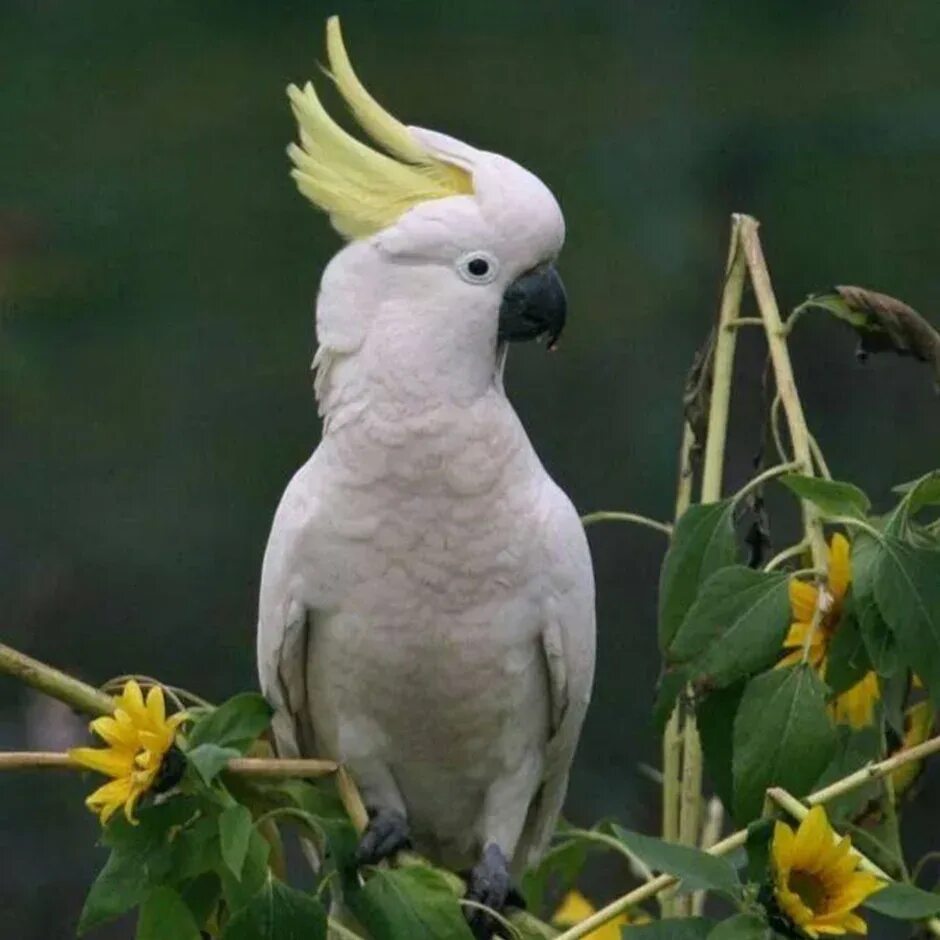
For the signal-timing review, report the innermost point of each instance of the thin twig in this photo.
(614, 516)
(761, 478)
(637, 865)
(793, 551)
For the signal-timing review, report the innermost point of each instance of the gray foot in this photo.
(386, 834)
(488, 884)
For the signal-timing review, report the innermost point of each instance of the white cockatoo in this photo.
(427, 599)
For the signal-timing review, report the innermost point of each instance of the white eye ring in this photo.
(477, 267)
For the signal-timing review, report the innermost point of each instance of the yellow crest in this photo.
(362, 189)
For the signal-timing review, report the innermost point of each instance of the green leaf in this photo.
(848, 661)
(278, 912)
(703, 542)
(195, 849)
(741, 927)
(120, 885)
(209, 760)
(760, 833)
(679, 928)
(235, 723)
(783, 736)
(715, 717)
(235, 829)
(558, 868)
(671, 684)
(202, 896)
(853, 750)
(698, 870)
(735, 627)
(917, 495)
(905, 902)
(163, 915)
(880, 642)
(414, 903)
(240, 891)
(907, 589)
(831, 497)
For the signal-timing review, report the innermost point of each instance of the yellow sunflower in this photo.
(816, 881)
(575, 907)
(138, 735)
(918, 725)
(803, 599)
(855, 706)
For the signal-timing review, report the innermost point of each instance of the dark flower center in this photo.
(811, 891)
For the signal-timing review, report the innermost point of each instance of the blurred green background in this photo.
(158, 274)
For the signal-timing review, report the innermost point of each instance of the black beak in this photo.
(533, 305)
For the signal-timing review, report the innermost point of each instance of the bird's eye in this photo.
(477, 267)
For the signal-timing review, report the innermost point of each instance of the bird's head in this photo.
(452, 249)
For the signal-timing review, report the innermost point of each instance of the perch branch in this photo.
(79, 695)
(245, 766)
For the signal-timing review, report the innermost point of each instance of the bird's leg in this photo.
(386, 834)
(489, 884)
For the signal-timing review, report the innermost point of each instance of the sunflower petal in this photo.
(156, 705)
(840, 566)
(802, 599)
(110, 761)
(114, 732)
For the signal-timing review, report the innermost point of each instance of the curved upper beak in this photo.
(533, 305)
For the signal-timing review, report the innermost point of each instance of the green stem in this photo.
(722, 368)
(79, 695)
(672, 737)
(636, 863)
(712, 474)
(792, 552)
(761, 478)
(612, 516)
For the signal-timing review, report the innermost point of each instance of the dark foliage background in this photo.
(158, 272)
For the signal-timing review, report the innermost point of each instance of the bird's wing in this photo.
(286, 617)
(568, 643)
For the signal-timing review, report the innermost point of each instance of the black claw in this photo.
(489, 884)
(386, 834)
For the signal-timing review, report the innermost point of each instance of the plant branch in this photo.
(79, 695)
(244, 766)
(637, 865)
(612, 516)
(722, 368)
(786, 383)
(690, 803)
